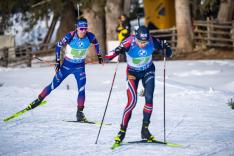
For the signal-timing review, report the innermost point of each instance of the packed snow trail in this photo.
(197, 114)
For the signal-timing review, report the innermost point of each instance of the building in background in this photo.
(159, 14)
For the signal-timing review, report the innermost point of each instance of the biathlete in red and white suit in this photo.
(139, 49)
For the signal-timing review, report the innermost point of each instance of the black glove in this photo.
(100, 59)
(167, 48)
(164, 44)
(119, 50)
(57, 66)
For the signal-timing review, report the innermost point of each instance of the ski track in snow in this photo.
(197, 114)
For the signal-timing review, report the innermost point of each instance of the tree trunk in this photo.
(67, 21)
(184, 26)
(113, 10)
(196, 13)
(226, 10)
(47, 39)
(96, 24)
(127, 7)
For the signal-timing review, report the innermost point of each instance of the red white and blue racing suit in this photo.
(139, 67)
(73, 63)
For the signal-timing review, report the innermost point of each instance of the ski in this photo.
(30, 106)
(115, 145)
(154, 142)
(88, 122)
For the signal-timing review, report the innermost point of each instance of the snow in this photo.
(197, 114)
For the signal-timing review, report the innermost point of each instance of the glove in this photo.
(164, 44)
(57, 66)
(100, 59)
(167, 48)
(119, 50)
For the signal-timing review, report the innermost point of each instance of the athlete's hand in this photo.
(166, 47)
(164, 44)
(57, 66)
(100, 59)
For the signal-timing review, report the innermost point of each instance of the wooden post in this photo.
(5, 57)
(232, 32)
(29, 56)
(173, 40)
(208, 31)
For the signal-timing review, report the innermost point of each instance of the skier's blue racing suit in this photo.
(74, 63)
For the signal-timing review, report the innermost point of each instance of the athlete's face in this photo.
(81, 32)
(141, 44)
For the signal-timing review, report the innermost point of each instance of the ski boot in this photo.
(80, 115)
(35, 103)
(145, 133)
(119, 138)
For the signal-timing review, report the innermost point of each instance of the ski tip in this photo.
(21, 112)
(8, 118)
(174, 145)
(99, 123)
(5, 120)
(114, 146)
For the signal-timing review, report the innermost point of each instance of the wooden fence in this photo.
(24, 54)
(213, 34)
(206, 34)
(166, 34)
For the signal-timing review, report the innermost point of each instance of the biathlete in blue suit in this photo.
(77, 43)
(139, 49)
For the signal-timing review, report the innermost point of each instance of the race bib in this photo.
(140, 61)
(78, 53)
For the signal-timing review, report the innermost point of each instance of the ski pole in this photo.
(164, 93)
(44, 61)
(107, 101)
(138, 20)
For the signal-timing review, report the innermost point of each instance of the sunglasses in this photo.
(82, 29)
(143, 42)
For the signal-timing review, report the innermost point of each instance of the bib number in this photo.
(139, 61)
(78, 53)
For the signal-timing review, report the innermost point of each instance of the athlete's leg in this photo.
(58, 78)
(132, 99)
(80, 76)
(148, 82)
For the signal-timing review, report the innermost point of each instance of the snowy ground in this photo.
(197, 114)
